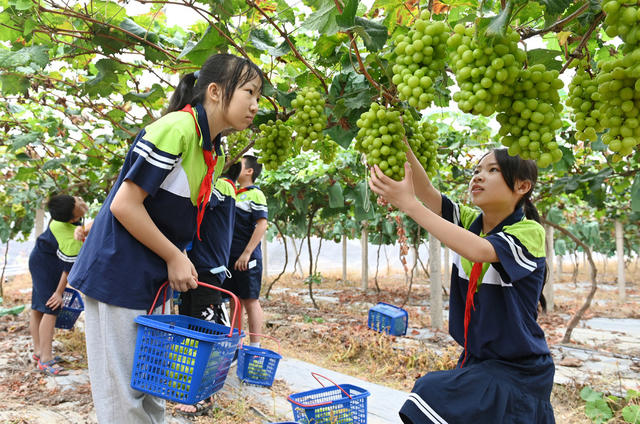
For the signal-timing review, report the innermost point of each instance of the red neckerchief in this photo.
(232, 184)
(476, 270)
(205, 187)
(242, 190)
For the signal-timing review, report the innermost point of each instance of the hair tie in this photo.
(196, 74)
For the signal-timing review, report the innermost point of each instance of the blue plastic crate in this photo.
(257, 365)
(334, 404)
(72, 306)
(180, 358)
(390, 319)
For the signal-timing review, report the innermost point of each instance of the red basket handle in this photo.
(262, 335)
(316, 375)
(237, 316)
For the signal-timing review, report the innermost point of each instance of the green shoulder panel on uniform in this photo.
(225, 188)
(256, 196)
(63, 232)
(467, 215)
(531, 234)
(172, 132)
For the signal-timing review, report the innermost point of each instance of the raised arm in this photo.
(401, 195)
(424, 190)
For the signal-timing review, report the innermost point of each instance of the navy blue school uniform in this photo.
(54, 252)
(251, 205)
(507, 376)
(210, 254)
(166, 160)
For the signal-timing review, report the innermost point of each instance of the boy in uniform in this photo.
(50, 261)
(245, 261)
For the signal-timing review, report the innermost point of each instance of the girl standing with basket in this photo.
(153, 211)
(505, 374)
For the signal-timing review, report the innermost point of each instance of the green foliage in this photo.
(78, 82)
(601, 409)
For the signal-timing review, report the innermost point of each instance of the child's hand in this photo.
(243, 262)
(55, 301)
(399, 193)
(79, 233)
(181, 273)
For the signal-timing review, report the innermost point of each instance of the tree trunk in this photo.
(39, 222)
(265, 258)
(297, 265)
(436, 282)
(315, 267)
(344, 258)
(364, 241)
(551, 274)
(4, 267)
(559, 267)
(594, 284)
(575, 269)
(286, 260)
(375, 279)
(446, 281)
(311, 275)
(620, 255)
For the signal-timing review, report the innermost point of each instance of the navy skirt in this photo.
(490, 391)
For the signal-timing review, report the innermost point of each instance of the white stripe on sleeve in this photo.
(518, 254)
(426, 409)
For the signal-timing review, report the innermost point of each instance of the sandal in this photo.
(56, 359)
(49, 369)
(202, 408)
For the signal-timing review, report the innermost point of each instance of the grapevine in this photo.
(584, 99)
(380, 139)
(530, 116)
(484, 68)
(237, 142)
(419, 59)
(309, 118)
(327, 149)
(274, 143)
(422, 140)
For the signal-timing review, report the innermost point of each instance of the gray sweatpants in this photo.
(111, 340)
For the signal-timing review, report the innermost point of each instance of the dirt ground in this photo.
(334, 336)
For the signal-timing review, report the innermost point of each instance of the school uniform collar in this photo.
(203, 123)
(243, 189)
(516, 216)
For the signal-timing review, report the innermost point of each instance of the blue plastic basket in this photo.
(390, 319)
(334, 404)
(72, 306)
(257, 365)
(183, 359)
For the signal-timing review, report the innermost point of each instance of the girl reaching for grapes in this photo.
(505, 373)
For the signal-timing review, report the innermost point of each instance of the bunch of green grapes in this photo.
(327, 149)
(484, 68)
(619, 89)
(309, 118)
(380, 138)
(531, 116)
(274, 144)
(422, 140)
(419, 58)
(623, 20)
(584, 99)
(237, 142)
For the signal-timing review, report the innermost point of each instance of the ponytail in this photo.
(514, 168)
(530, 210)
(183, 94)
